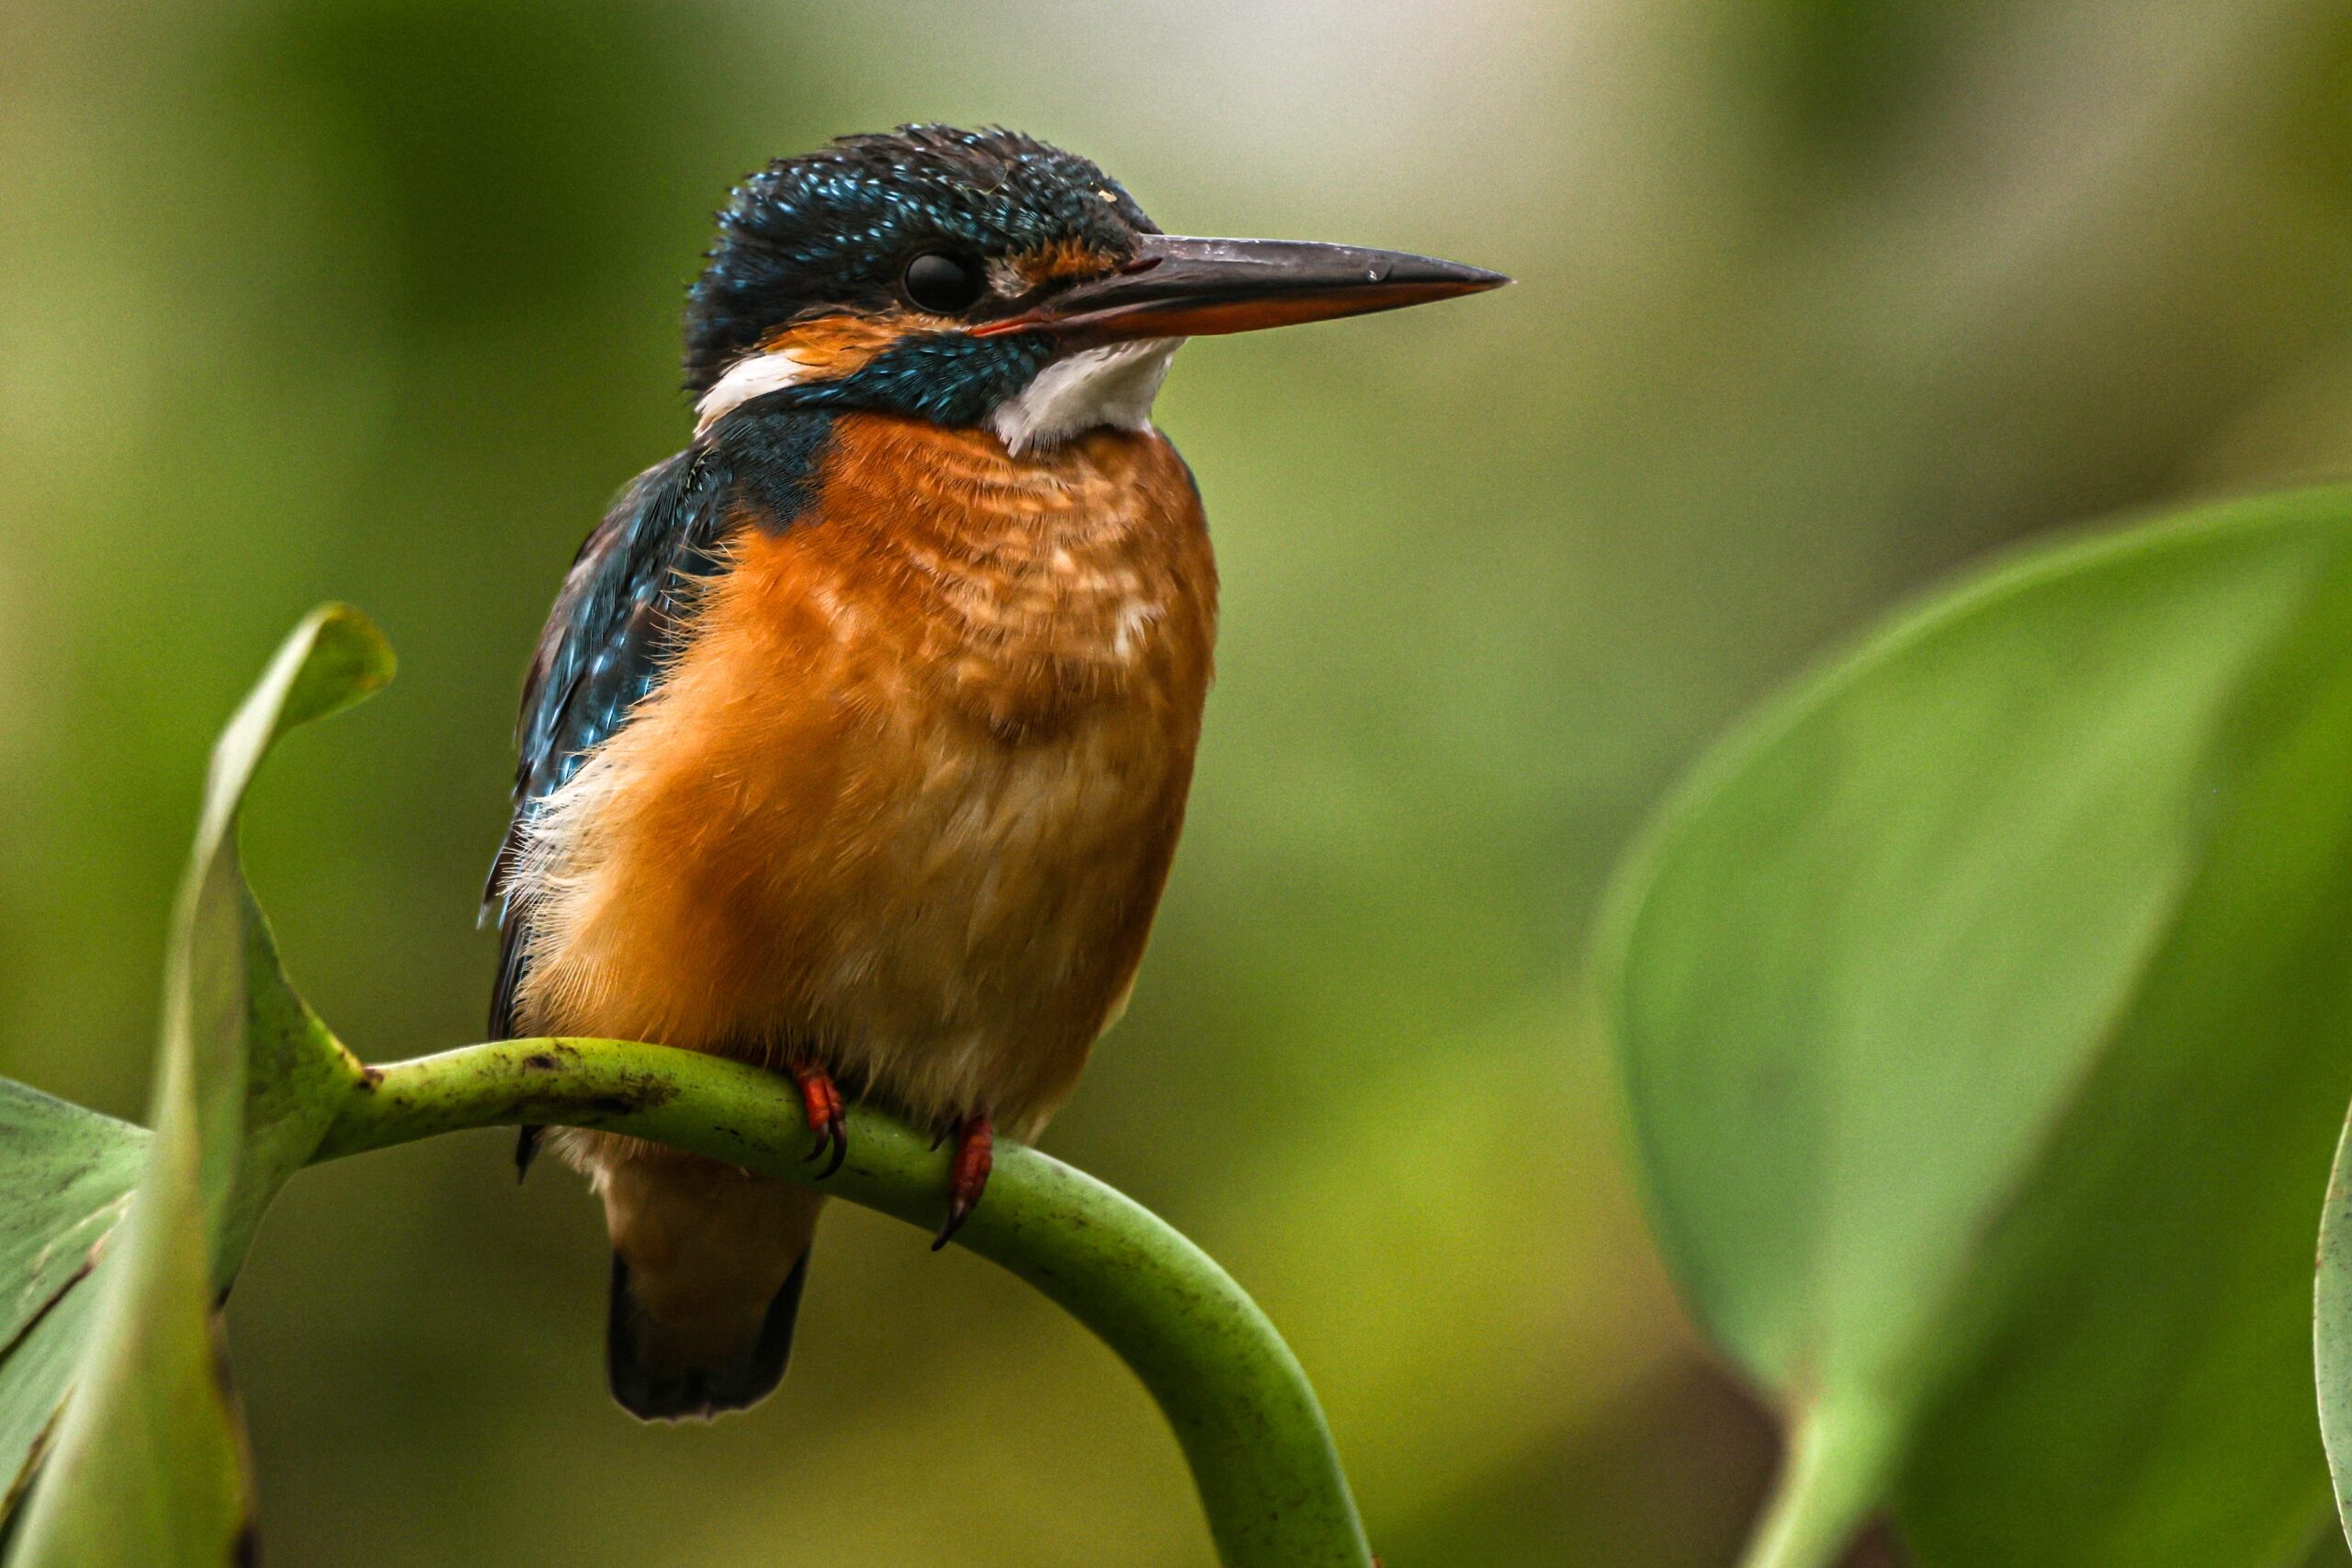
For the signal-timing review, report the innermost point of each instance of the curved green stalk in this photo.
(1833, 1477)
(1248, 1422)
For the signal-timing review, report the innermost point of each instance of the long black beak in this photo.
(1176, 287)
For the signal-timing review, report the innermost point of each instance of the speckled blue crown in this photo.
(832, 229)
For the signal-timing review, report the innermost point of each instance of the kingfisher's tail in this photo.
(708, 1264)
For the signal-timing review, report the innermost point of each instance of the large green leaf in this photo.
(148, 1466)
(1983, 1010)
(67, 1175)
(2332, 1328)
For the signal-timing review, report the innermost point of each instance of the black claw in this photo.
(526, 1149)
(968, 1173)
(828, 1118)
(832, 1138)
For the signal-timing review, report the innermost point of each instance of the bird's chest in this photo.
(912, 787)
(1029, 626)
(1019, 643)
(1020, 707)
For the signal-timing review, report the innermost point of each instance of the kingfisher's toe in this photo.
(828, 1115)
(967, 1174)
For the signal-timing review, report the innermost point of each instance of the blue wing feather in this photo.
(600, 655)
(618, 609)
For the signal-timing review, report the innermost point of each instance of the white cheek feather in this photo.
(753, 376)
(1111, 386)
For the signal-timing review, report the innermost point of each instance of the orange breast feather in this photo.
(906, 801)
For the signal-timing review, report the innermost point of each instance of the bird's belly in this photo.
(971, 948)
(925, 853)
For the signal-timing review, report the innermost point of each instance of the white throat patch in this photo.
(1110, 386)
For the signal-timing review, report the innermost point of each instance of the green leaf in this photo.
(266, 1065)
(148, 1466)
(1983, 1010)
(68, 1174)
(2332, 1328)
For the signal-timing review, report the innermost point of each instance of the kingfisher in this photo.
(857, 741)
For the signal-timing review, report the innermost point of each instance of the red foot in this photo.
(968, 1174)
(828, 1118)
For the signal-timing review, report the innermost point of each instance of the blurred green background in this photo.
(377, 300)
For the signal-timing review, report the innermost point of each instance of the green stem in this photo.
(1242, 1408)
(1832, 1478)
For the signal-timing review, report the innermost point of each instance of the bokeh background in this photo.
(377, 300)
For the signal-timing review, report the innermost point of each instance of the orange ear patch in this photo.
(1063, 259)
(832, 346)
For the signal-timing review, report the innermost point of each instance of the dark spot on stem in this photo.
(542, 1062)
(370, 1077)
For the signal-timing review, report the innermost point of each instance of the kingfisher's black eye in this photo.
(942, 284)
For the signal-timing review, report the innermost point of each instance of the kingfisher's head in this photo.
(985, 278)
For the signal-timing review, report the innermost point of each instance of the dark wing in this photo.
(602, 651)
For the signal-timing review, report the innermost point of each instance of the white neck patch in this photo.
(1110, 386)
(750, 377)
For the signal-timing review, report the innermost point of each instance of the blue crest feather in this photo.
(831, 230)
